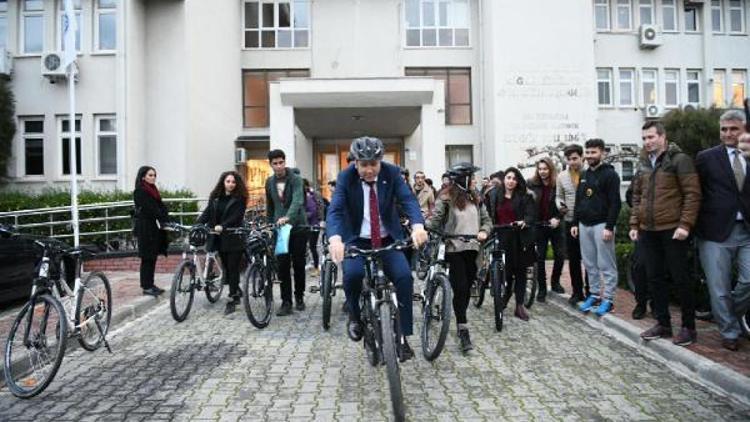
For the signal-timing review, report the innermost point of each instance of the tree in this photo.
(7, 126)
(693, 130)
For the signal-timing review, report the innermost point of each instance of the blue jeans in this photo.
(396, 268)
(717, 260)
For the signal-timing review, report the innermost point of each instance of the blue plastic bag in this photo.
(282, 239)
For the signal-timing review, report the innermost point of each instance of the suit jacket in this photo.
(721, 198)
(346, 211)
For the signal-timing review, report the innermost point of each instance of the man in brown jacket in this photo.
(666, 200)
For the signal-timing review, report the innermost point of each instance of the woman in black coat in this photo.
(226, 209)
(511, 203)
(150, 216)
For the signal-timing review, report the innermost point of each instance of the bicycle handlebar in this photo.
(353, 251)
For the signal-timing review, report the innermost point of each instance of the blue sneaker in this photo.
(604, 307)
(589, 303)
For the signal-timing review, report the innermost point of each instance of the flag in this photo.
(69, 28)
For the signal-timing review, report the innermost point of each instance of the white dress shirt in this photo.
(364, 232)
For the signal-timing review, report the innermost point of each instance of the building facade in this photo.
(195, 87)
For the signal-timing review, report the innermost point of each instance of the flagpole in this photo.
(73, 158)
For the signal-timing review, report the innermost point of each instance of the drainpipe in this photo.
(480, 73)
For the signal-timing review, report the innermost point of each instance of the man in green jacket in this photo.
(285, 199)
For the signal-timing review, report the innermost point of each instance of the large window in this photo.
(646, 12)
(455, 154)
(432, 23)
(457, 91)
(671, 87)
(65, 135)
(276, 24)
(105, 32)
(601, 14)
(33, 146)
(604, 86)
(669, 15)
(719, 84)
(694, 87)
(736, 16)
(32, 22)
(60, 14)
(624, 14)
(717, 16)
(692, 19)
(627, 87)
(255, 93)
(738, 87)
(106, 145)
(649, 84)
(3, 23)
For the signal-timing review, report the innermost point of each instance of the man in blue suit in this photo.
(723, 226)
(368, 188)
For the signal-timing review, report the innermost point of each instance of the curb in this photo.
(681, 360)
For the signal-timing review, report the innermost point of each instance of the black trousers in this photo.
(544, 236)
(638, 273)
(295, 258)
(314, 247)
(231, 263)
(662, 254)
(463, 271)
(515, 279)
(573, 250)
(148, 268)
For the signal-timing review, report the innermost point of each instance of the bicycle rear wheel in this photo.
(29, 368)
(500, 293)
(182, 292)
(437, 315)
(94, 303)
(391, 341)
(257, 295)
(531, 285)
(214, 286)
(327, 283)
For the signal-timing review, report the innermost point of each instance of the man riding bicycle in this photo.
(371, 187)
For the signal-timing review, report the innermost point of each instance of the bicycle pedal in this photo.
(314, 289)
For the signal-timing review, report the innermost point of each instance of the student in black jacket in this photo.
(226, 209)
(149, 217)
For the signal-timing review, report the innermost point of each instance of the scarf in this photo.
(152, 190)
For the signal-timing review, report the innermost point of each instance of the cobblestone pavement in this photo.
(217, 367)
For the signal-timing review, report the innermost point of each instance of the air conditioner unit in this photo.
(240, 156)
(52, 67)
(650, 36)
(653, 111)
(6, 62)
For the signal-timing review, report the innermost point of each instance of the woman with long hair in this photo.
(512, 204)
(226, 209)
(150, 215)
(459, 211)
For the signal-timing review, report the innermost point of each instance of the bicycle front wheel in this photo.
(390, 344)
(93, 304)
(500, 293)
(214, 286)
(437, 315)
(329, 268)
(31, 365)
(257, 297)
(182, 292)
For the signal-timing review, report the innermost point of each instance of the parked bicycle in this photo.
(380, 316)
(257, 282)
(36, 344)
(327, 281)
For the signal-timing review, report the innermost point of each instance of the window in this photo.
(432, 23)
(719, 80)
(738, 87)
(646, 11)
(628, 170)
(624, 14)
(276, 24)
(717, 12)
(671, 87)
(601, 14)
(457, 91)
(3, 23)
(692, 19)
(455, 154)
(627, 79)
(105, 20)
(106, 144)
(60, 14)
(64, 131)
(736, 16)
(669, 15)
(255, 93)
(32, 21)
(648, 86)
(33, 146)
(693, 87)
(604, 86)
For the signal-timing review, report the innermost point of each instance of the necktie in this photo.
(374, 217)
(739, 175)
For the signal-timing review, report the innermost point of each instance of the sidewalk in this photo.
(706, 359)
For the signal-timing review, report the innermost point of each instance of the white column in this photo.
(432, 151)
(282, 125)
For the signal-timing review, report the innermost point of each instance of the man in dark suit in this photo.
(364, 213)
(723, 225)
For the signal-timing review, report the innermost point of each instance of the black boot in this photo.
(639, 312)
(557, 288)
(465, 340)
(286, 309)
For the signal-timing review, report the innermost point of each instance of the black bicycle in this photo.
(380, 316)
(327, 281)
(257, 282)
(37, 340)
